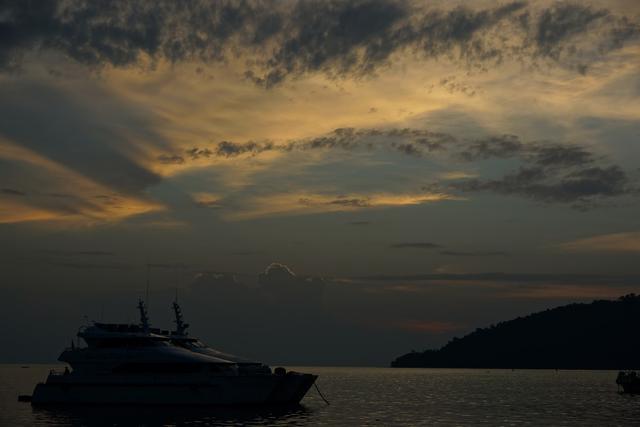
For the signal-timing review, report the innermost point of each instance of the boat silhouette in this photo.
(137, 364)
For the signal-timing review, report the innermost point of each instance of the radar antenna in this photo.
(144, 318)
(181, 327)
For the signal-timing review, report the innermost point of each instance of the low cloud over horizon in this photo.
(322, 313)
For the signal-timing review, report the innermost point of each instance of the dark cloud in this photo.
(229, 149)
(577, 34)
(247, 253)
(503, 146)
(97, 253)
(412, 142)
(232, 149)
(354, 202)
(338, 38)
(559, 155)
(473, 253)
(408, 149)
(12, 192)
(61, 195)
(209, 204)
(197, 153)
(168, 265)
(340, 201)
(515, 278)
(549, 172)
(544, 154)
(583, 188)
(561, 21)
(406, 140)
(171, 159)
(415, 245)
(95, 266)
(430, 245)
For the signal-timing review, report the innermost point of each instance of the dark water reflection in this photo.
(166, 416)
(371, 396)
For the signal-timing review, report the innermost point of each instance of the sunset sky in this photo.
(321, 181)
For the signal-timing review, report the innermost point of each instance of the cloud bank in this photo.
(290, 39)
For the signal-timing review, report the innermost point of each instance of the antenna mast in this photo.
(147, 295)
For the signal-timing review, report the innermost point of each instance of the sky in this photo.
(319, 182)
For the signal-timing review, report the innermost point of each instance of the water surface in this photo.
(371, 396)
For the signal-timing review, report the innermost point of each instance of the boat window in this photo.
(158, 368)
(128, 342)
(218, 367)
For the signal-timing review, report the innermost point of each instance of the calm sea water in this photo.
(372, 396)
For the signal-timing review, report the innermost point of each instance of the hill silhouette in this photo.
(599, 335)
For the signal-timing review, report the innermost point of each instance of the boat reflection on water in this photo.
(110, 415)
(629, 381)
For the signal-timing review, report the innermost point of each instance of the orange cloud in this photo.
(57, 193)
(14, 211)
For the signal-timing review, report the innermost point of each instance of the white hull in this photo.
(241, 390)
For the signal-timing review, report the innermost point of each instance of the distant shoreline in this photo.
(42, 365)
(597, 336)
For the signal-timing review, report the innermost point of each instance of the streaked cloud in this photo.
(306, 203)
(91, 201)
(94, 266)
(415, 245)
(359, 223)
(616, 242)
(429, 326)
(12, 192)
(548, 172)
(473, 253)
(91, 253)
(496, 278)
(572, 292)
(454, 175)
(207, 200)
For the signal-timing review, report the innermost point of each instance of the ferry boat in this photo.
(137, 364)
